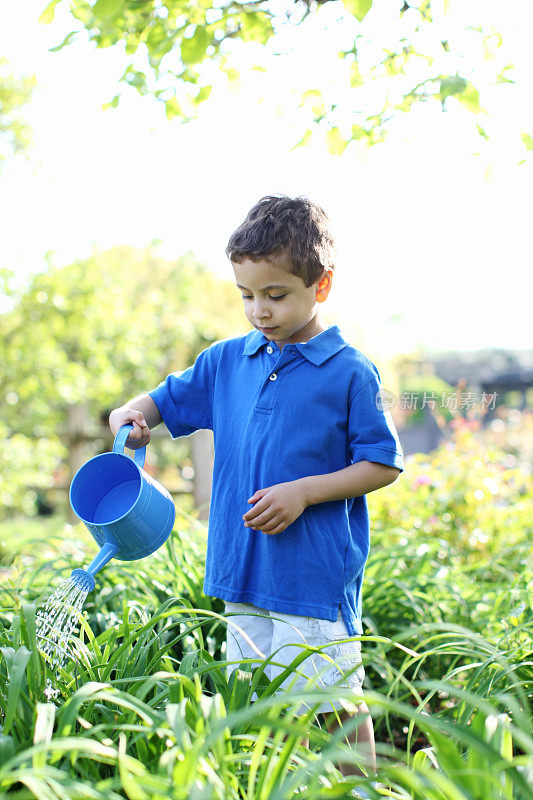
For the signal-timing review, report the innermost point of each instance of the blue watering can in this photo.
(128, 512)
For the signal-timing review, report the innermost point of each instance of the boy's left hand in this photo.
(276, 507)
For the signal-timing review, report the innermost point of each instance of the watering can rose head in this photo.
(128, 512)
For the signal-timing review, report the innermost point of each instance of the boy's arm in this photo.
(143, 413)
(276, 507)
(353, 481)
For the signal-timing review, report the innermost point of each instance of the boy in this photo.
(300, 436)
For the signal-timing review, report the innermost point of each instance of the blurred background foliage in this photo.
(15, 93)
(97, 331)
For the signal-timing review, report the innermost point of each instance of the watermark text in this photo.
(453, 400)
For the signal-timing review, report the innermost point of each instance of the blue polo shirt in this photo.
(278, 416)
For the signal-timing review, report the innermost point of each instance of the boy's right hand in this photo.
(140, 435)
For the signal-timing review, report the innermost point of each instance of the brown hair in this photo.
(292, 230)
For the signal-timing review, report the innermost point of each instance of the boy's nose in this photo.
(261, 312)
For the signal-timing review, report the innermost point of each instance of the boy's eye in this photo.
(249, 297)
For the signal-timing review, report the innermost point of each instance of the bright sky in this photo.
(433, 241)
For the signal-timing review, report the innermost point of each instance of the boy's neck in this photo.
(309, 331)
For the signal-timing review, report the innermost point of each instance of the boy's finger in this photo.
(258, 495)
(136, 434)
(142, 430)
(259, 520)
(253, 512)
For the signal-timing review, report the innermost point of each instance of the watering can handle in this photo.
(120, 443)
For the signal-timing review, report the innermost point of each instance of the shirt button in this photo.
(269, 349)
(273, 377)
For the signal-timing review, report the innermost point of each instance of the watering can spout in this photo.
(84, 578)
(107, 551)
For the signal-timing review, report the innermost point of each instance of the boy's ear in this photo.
(324, 286)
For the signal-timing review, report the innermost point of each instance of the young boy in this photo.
(301, 437)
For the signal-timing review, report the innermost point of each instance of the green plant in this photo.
(148, 707)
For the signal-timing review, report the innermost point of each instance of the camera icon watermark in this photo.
(384, 400)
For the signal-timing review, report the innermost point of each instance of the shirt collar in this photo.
(317, 350)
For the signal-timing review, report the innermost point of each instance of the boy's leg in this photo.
(318, 632)
(361, 738)
(257, 627)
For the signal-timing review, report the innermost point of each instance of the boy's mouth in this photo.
(267, 330)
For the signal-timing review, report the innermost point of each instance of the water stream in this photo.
(56, 621)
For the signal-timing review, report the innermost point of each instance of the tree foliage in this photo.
(98, 331)
(410, 56)
(15, 92)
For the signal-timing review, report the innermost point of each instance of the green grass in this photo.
(146, 708)
(19, 529)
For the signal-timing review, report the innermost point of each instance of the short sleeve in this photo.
(372, 435)
(185, 399)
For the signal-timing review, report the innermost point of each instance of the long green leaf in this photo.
(17, 663)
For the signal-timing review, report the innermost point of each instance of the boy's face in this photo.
(278, 303)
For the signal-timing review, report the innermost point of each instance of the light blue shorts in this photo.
(271, 630)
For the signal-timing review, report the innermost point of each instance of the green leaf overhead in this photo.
(450, 85)
(15, 93)
(194, 48)
(336, 141)
(394, 64)
(359, 8)
(107, 8)
(527, 140)
(48, 14)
